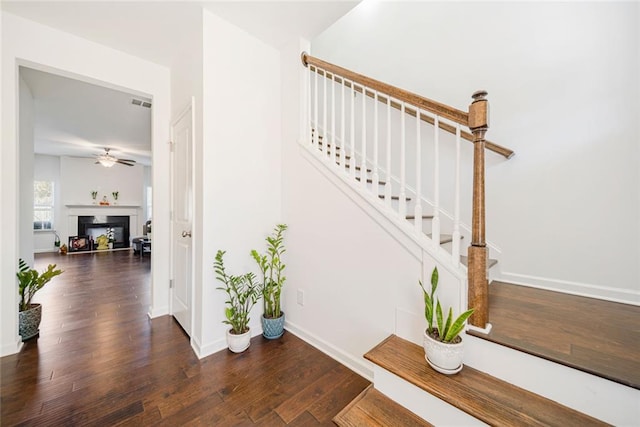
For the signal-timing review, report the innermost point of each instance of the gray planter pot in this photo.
(273, 328)
(29, 322)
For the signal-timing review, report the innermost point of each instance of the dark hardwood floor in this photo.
(101, 361)
(595, 336)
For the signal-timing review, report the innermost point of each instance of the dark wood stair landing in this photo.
(596, 336)
(480, 395)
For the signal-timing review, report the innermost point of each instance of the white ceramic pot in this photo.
(238, 343)
(443, 357)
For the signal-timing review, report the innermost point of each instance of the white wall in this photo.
(25, 149)
(240, 194)
(563, 85)
(186, 82)
(40, 47)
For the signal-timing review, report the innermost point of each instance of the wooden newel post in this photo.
(478, 254)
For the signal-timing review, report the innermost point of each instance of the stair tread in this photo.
(357, 167)
(465, 261)
(370, 181)
(423, 217)
(481, 395)
(372, 408)
(382, 196)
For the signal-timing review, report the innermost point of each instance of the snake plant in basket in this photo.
(242, 294)
(273, 278)
(30, 282)
(443, 344)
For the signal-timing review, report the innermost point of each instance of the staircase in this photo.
(352, 122)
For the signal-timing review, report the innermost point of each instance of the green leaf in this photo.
(457, 326)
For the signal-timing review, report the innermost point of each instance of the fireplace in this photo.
(94, 226)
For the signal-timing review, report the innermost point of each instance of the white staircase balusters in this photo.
(343, 146)
(455, 249)
(363, 139)
(387, 185)
(375, 178)
(316, 131)
(334, 149)
(435, 223)
(402, 202)
(417, 211)
(325, 139)
(352, 120)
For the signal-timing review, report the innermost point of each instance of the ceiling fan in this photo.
(107, 160)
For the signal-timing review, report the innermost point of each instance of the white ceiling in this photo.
(77, 118)
(74, 118)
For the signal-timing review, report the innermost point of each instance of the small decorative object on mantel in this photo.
(104, 201)
(94, 194)
(443, 345)
(115, 197)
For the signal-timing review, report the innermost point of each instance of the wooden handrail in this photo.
(434, 107)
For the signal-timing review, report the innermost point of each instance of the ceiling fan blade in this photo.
(127, 160)
(122, 162)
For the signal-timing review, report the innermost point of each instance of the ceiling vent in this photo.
(141, 103)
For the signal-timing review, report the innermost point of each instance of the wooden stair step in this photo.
(370, 181)
(411, 217)
(357, 168)
(372, 408)
(382, 196)
(480, 395)
(465, 261)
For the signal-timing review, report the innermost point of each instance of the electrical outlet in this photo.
(300, 297)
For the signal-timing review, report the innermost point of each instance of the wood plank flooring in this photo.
(101, 361)
(595, 336)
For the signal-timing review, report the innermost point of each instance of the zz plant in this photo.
(242, 295)
(272, 268)
(446, 331)
(30, 281)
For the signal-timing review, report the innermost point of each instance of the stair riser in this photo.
(421, 403)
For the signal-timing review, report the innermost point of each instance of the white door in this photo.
(182, 213)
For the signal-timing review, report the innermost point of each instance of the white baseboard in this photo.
(359, 366)
(11, 348)
(220, 344)
(620, 295)
(157, 312)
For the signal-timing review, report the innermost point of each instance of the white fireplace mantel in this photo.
(76, 210)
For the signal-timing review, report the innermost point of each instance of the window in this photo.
(43, 205)
(149, 203)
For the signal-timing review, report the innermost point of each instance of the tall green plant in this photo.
(447, 330)
(242, 295)
(272, 269)
(30, 281)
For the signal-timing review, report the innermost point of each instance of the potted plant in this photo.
(30, 282)
(443, 344)
(272, 268)
(242, 295)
